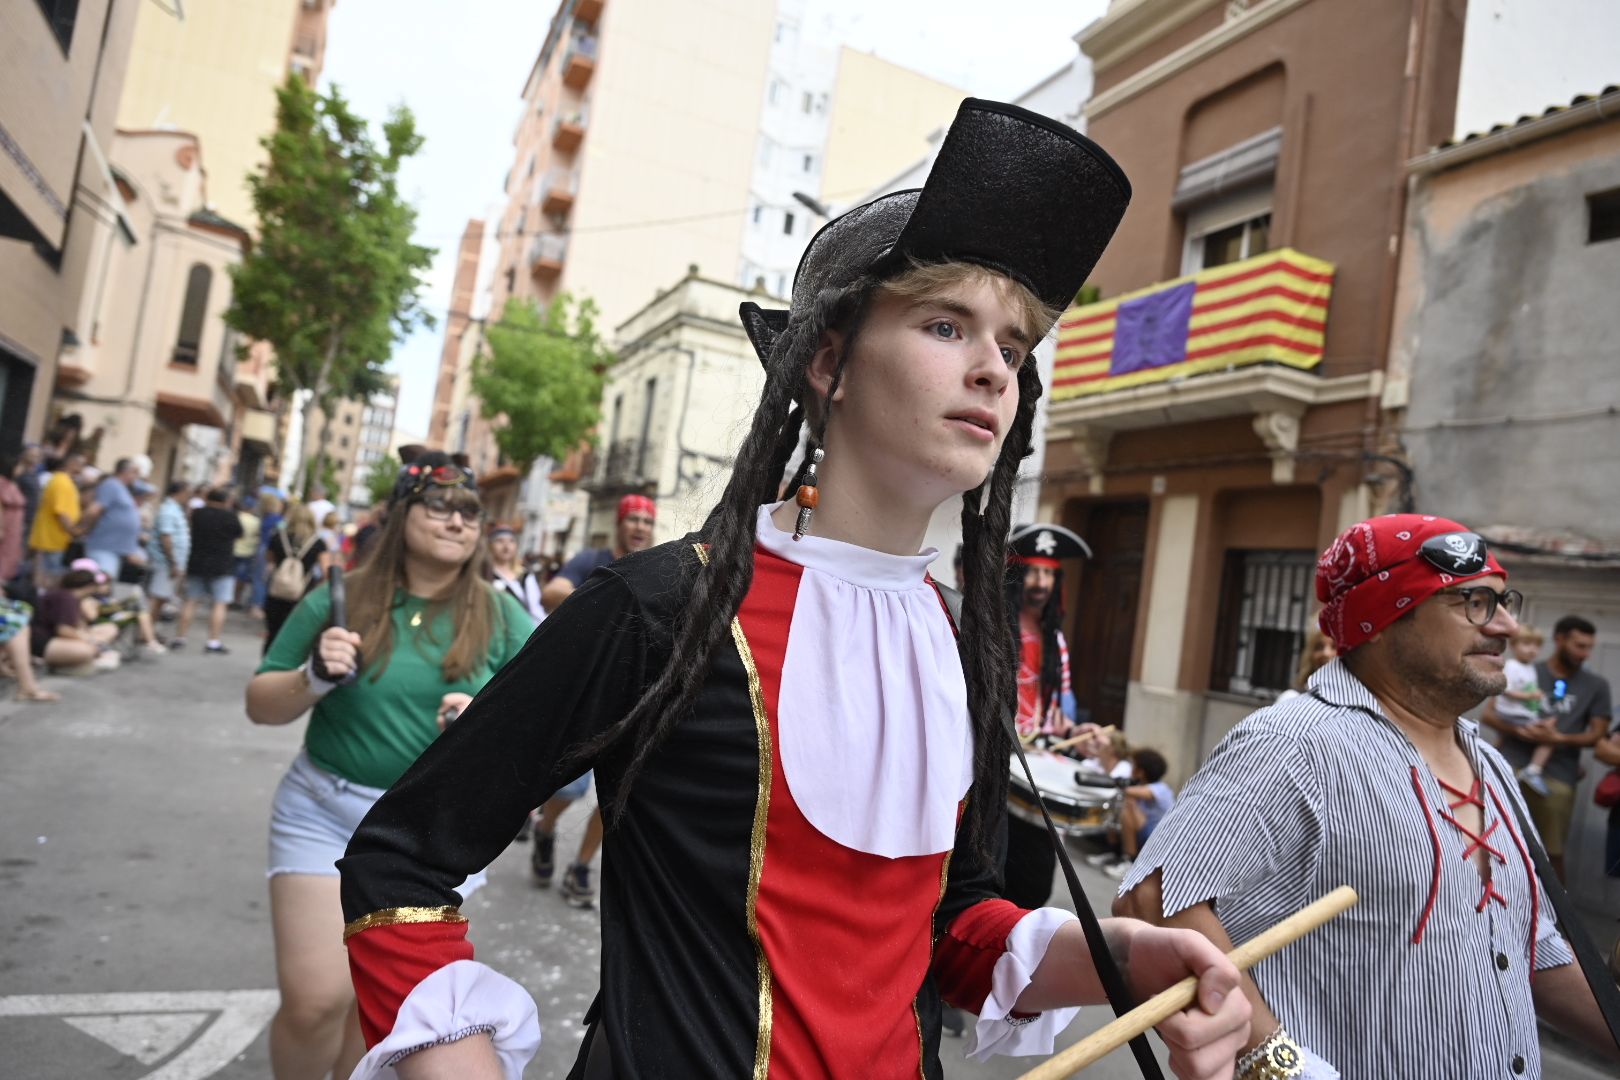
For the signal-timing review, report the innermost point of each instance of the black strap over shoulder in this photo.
(1113, 980)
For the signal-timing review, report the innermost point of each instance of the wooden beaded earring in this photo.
(808, 497)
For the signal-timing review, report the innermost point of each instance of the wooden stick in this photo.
(1167, 1003)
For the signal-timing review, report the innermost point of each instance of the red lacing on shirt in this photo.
(1434, 837)
(1529, 874)
(1472, 797)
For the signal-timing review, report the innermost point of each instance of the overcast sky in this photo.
(462, 75)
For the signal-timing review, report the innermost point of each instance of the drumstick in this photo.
(1167, 1003)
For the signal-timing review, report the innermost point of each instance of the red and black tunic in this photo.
(737, 939)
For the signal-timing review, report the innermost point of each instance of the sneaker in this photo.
(217, 647)
(1102, 860)
(1120, 869)
(107, 661)
(1531, 778)
(543, 858)
(155, 650)
(177, 643)
(577, 887)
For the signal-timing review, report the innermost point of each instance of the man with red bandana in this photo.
(1372, 779)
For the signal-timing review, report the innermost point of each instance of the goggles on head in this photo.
(414, 479)
(1460, 554)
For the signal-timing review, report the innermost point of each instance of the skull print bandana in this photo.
(1378, 570)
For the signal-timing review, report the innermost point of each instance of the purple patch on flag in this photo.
(1151, 331)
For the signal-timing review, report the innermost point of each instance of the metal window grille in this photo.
(1261, 622)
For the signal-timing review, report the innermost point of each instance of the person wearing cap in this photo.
(1372, 779)
(803, 768)
(424, 630)
(116, 604)
(63, 637)
(1034, 585)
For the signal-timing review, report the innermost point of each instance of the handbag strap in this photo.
(1569, 921)
(1108, 973)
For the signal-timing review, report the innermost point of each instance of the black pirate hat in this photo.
(1046, 545)
(1011, 190)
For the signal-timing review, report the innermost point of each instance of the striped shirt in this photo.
(1429, 975)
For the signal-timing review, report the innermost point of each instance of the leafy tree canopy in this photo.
(541, 377)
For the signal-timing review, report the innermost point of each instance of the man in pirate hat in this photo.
(1034, 584)
(1035, 598)
(801, 756)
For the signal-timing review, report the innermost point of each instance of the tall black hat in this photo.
(1046, 545)
(1011, 190)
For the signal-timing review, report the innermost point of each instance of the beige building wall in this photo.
(49, 92)
(882, 115)
(705, 383)
(215, 73)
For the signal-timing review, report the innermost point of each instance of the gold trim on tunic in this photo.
(756, 844)
(403, 916)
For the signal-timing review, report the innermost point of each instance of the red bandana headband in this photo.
(1035, 560)
(1377, 570)
(632, 504)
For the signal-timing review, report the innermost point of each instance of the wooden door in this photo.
(1102, 630)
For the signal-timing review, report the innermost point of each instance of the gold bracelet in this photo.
(1278, 1058)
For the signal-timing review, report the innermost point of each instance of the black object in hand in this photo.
(339, 619)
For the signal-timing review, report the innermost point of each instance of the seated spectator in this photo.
(120, 605)
(15, 660)
(1147, 800)
(60, 633)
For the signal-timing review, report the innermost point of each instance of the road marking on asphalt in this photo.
(149, 1027)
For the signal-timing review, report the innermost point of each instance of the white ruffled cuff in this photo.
(459, 1000)
(998, 1031)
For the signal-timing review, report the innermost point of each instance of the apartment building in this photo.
(1217, 416)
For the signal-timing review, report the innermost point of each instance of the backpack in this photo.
(290, 579)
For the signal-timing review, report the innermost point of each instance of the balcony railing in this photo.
(1269, 309)
(546, 255)
(620, 467)
(568, 130)
(579, 62)
(557, 192)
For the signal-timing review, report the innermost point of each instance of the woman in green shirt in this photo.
(425, 632)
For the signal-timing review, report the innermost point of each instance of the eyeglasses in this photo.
(1480, 602)
(439, 508)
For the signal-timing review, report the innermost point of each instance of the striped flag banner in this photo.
(1272, 307)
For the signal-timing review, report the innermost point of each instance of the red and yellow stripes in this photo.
(1272, 307)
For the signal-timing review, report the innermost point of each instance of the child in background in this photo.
(1147, 800)
(1521, 702)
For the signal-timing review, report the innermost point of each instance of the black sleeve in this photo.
(974, 874)
(458, 807)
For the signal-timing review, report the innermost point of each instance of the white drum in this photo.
(1077, 809)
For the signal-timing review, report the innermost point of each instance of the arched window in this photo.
(192, 314)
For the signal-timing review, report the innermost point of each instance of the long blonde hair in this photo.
(300, 522)
(374, 590)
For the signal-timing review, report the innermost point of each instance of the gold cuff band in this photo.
(400, 916)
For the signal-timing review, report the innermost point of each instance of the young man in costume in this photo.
(1045, 697)
(802, 768)
(1371, 780)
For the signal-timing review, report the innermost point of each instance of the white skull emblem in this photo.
(1046, 543)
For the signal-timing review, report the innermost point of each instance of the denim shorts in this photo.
(221, 590)
(312, 817)
(575, 789)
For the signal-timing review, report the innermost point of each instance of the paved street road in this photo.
(137, 937)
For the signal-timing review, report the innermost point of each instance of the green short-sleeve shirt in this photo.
(369, 732)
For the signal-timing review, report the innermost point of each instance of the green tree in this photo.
(380, 479)
(332, 282)
(540, 378)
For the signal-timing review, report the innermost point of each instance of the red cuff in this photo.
(386, 963)
(966, 955)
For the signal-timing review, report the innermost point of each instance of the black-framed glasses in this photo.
(1480, 602)
(440, 507)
